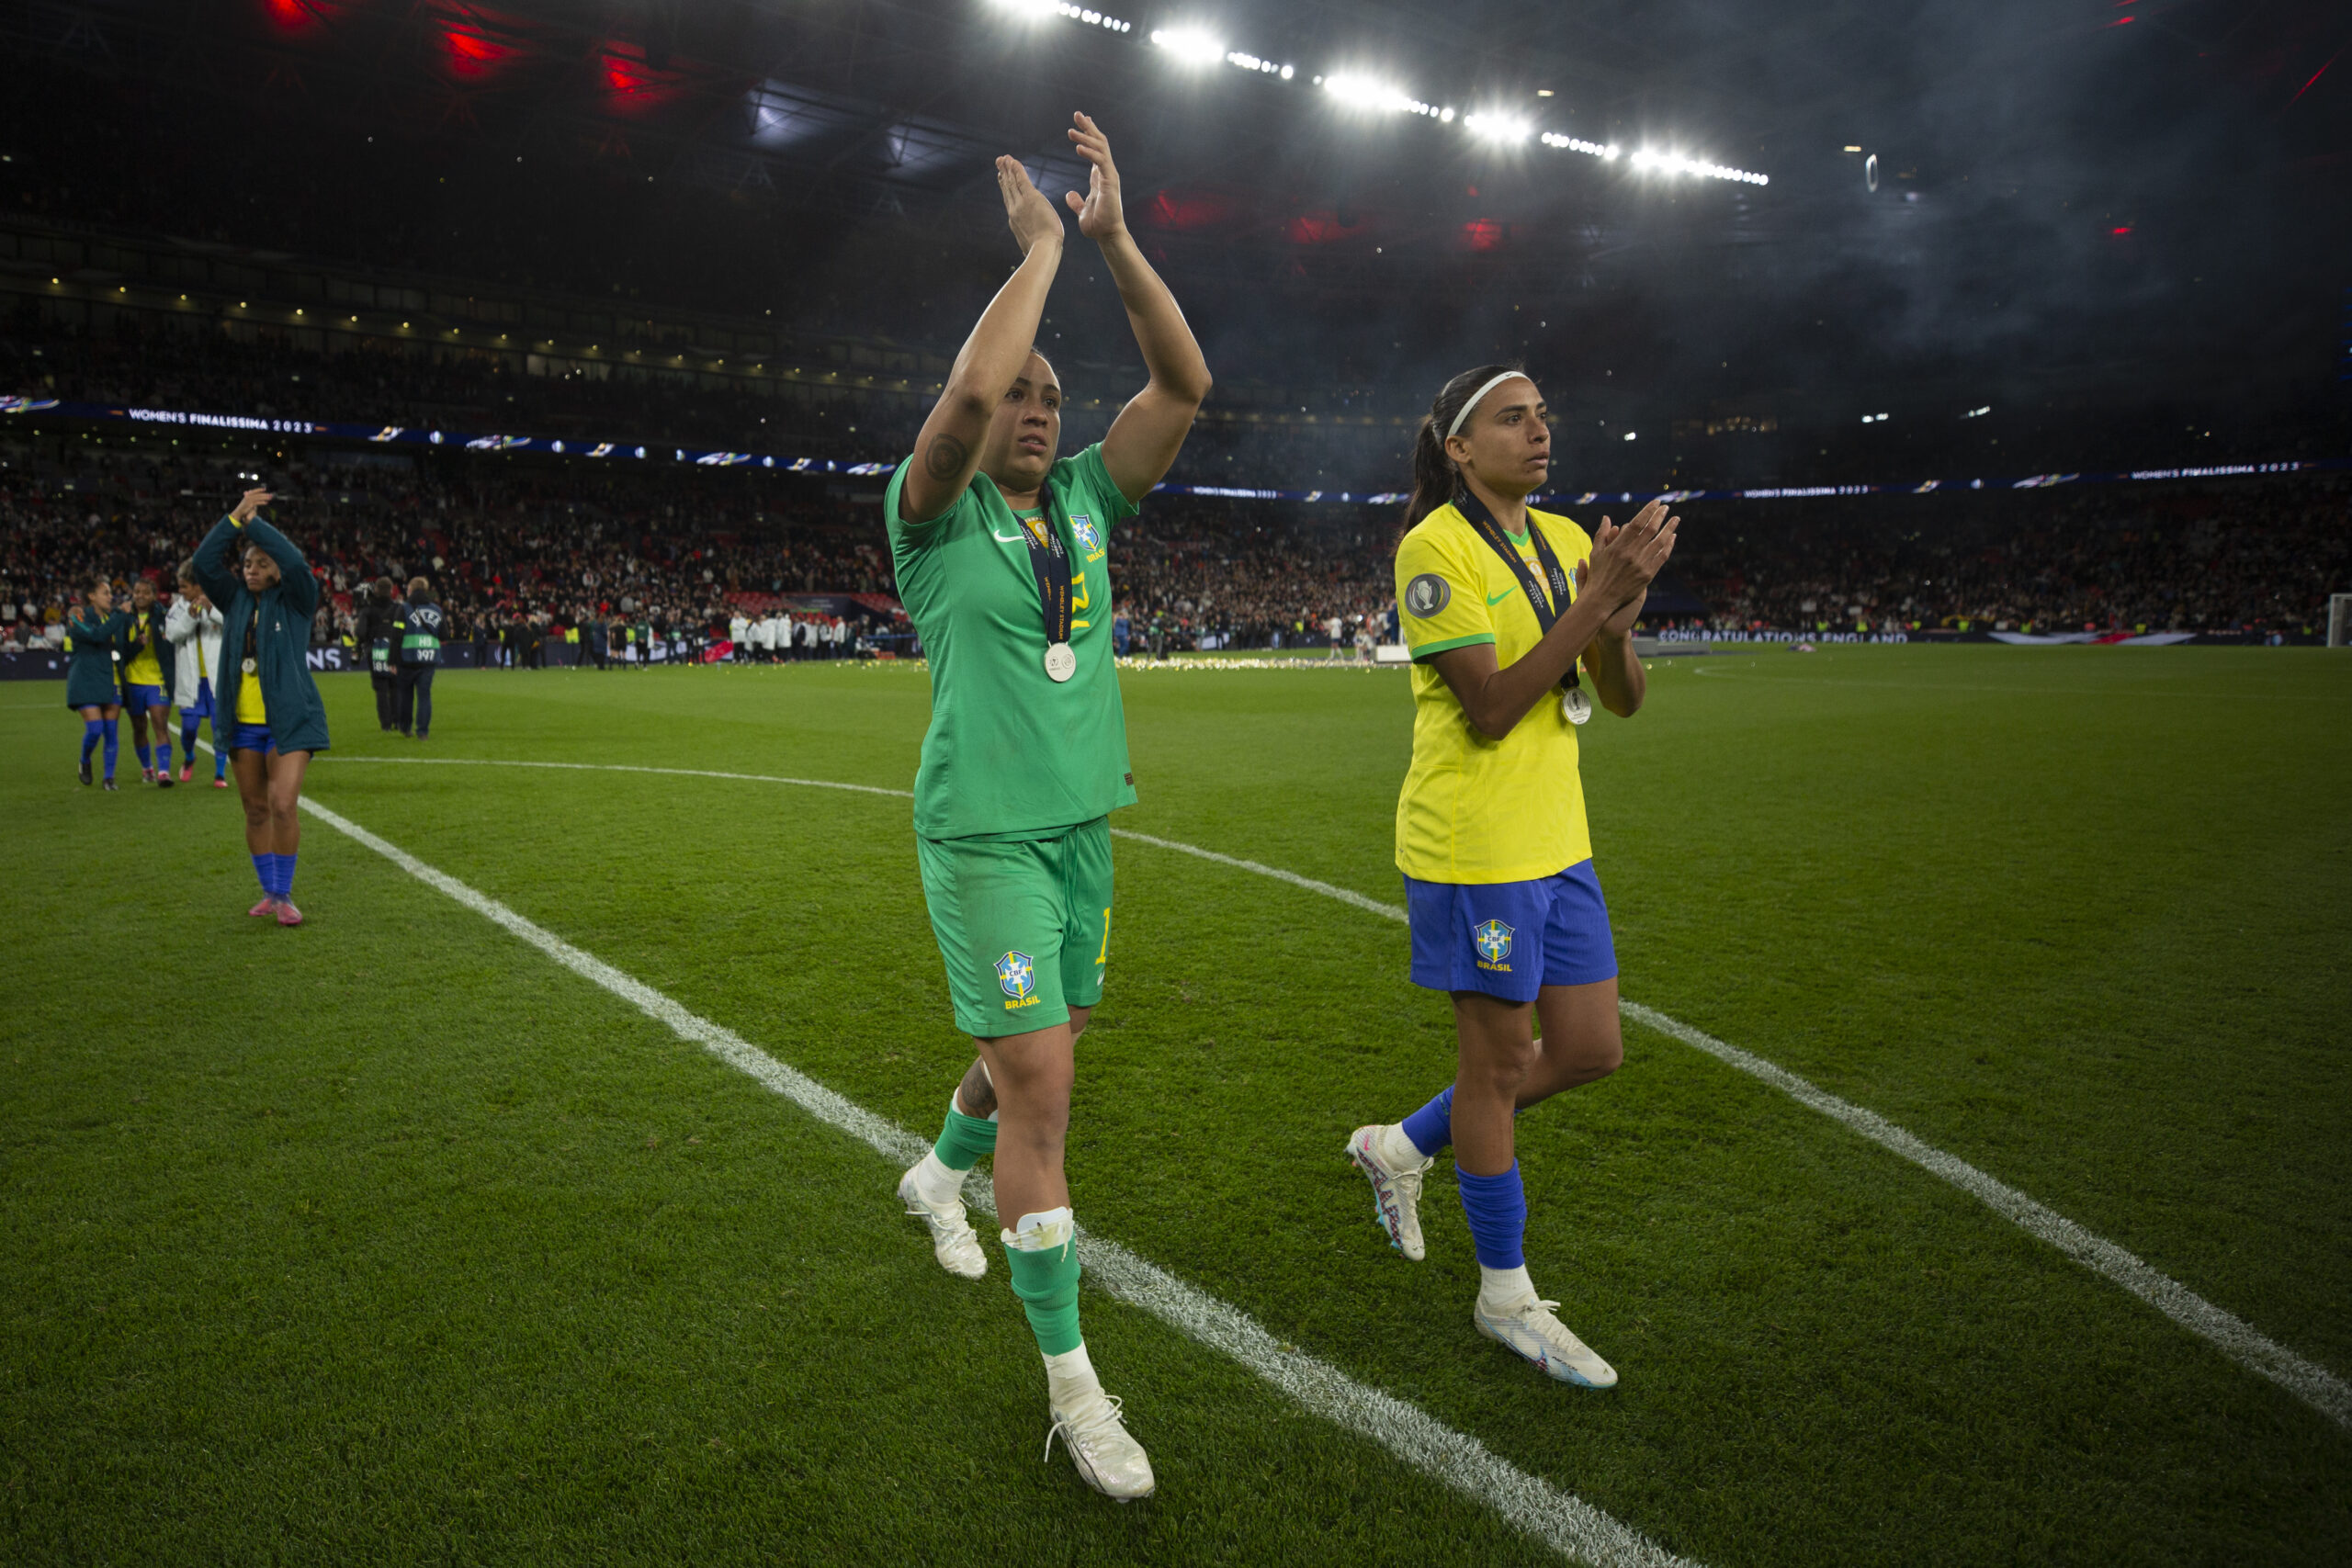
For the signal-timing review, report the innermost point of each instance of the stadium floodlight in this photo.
(1501, 129)
(1370, 93)
(1252, 63)
(1037, 10)
(1675, 164)
(1190, 46)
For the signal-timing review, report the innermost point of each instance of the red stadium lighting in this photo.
(631, 84)
(294, 16)
(472, 56)
(1188, 209)
(1482, 234)
(1321, 228)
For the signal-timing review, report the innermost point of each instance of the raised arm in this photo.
(949, 450)
(216, 561)
(294, 577)
(1149, 432)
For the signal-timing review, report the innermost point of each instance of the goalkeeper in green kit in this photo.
(1001, 557)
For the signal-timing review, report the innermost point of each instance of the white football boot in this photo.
(1107, 1455)
(1528, 1326)
(1396, 1193)
(951, 1241)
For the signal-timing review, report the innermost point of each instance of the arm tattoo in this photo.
(946, 458)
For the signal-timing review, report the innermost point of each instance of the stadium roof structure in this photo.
(2152, 186)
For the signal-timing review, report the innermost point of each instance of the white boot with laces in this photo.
(951, 1241)
(1394, 1167)
(1509, 1314)
(1094, 1430)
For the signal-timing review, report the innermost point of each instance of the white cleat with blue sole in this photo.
(1528, 1327)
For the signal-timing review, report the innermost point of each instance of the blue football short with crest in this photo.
(1510, 939)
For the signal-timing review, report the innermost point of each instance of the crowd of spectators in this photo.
(519, 557)
(525, 551)
(2256, 554)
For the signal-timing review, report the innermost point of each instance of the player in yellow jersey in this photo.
(1500, 604)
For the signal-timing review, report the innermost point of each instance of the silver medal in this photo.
(1061, 662)
(1575, 706)
(250, 665)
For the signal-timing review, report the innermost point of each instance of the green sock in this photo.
(964, 1139)
(1047, 1283)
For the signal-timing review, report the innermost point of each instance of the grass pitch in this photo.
(387, 1239)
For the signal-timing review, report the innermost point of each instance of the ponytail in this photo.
(1435, 479)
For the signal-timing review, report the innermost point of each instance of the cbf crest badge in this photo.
(1016, 976)
(1494, 940)
(1090, 537)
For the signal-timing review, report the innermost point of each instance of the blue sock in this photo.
(163, 754)
(1431, 1127)
(262, 872)
(146, 757)
(92, 729)
(1497, 1209)
(285, 877)
(187, 739)
(114, 744)
(220, 753)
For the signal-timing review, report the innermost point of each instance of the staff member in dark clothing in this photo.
(95, 637)
(277, 720)
(423, 625)
(374, 632)
(597, 639)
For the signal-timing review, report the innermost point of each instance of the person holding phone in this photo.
(194, 626)
(96, 634)
(1500, 603)
(277, 721)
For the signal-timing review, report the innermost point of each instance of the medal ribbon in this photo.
(1546, 606)
(1049, 562)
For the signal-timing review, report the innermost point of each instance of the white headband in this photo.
(1474, 397)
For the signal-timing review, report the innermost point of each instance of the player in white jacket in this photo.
(194, 628)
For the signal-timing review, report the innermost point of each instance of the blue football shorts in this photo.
(1510, 939)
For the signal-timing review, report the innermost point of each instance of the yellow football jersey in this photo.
(143, 669)
(1475, 809)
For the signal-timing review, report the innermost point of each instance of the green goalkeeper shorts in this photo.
(1024, 925)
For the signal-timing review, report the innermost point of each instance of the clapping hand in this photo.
(1099, 214)
(252, 502)
(1623, 563)
(1030, 216)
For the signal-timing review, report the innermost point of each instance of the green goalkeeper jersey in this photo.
(1010, 753)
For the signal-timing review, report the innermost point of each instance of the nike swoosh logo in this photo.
(1004, 538)
(1500, 597)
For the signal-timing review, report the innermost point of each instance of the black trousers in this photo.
(383, 684)
(413, 700)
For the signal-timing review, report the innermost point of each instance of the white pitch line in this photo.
(1567, 1524)
(2323, 1390)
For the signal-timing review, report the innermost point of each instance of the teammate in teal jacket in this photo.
(276, 719)
(95, 638)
